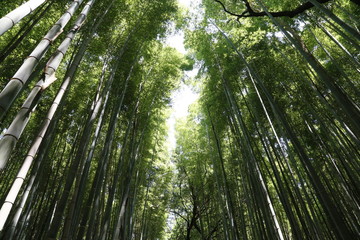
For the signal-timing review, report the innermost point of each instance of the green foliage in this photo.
(269, 151)
(262, 116)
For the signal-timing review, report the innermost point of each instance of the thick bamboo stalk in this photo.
(24, 31)
(20, 178)
(69, 77)
(13, 17)
(16, 128)
(18, 81)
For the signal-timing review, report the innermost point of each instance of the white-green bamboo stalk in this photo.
(17, 82)
(13, 17)
(69, 77)
(19, 209)
(16, 128)
(13, 133)
(10, 199)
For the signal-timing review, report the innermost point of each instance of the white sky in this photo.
(181, 100)
(184, 96)
(177, 41)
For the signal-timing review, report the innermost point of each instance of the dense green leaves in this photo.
(269, 151)
(277, 131)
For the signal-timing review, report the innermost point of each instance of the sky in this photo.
(184, 96)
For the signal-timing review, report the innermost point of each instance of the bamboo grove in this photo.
(80, 117)
(269, 151)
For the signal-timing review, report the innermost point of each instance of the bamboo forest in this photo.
(268, 149)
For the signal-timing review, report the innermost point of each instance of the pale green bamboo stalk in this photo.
(15, 16)
(18, 81)
(17, 126)
(20, 178)
(69, 77)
